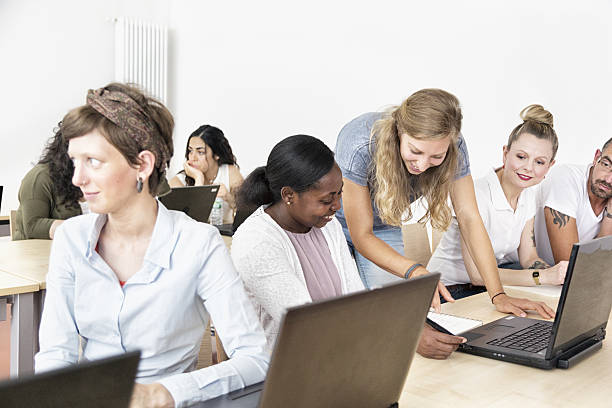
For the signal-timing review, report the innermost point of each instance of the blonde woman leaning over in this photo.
(507, 206)
(390, 159)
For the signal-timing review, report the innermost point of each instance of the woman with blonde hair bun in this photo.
(389, 160)
(507, 206)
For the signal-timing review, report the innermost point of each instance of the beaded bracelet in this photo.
(412, 268)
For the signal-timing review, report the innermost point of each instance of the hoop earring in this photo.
(139, 185)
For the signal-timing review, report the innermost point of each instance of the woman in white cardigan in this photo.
(292, 250)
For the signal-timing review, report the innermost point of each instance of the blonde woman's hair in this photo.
(428, 114)
(537, 121)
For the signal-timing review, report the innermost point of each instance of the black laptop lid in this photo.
(586, 297)
(195, 201)
(97, 384)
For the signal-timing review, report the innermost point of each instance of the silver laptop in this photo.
(351, 351)
(195, 201)
(580, 322)
(97, 384)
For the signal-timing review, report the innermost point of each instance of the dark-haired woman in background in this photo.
(47, 196)
(292, 250)
(210, 160)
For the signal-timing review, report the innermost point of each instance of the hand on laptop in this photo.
(151, 396)
(517, 306)
(437, 345)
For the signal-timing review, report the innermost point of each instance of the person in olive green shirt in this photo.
(47, 196)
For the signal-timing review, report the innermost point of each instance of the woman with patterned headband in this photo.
(130, 275)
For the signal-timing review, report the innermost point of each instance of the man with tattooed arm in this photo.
(574, 205)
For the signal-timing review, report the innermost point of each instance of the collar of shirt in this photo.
(498, 198)
(162, 242)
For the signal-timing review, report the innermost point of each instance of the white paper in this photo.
(454, 324)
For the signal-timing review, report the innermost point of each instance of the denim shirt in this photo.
(186, 278)
(354, 151)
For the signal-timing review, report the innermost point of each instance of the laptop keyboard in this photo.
(532, 339)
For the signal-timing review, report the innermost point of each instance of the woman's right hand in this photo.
(194, 173)
(555, 275)
(440, 290)
(439, 346)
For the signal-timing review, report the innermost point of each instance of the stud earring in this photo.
(139, 185)
(288, 202)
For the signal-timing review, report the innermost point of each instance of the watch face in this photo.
(536, 274)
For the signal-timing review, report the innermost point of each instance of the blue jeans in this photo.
(372, 275)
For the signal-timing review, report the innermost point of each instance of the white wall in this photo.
(51, 53)
(264, 70)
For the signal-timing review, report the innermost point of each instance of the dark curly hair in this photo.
(218, 143)
(61, 169)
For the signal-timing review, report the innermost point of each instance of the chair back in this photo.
(13, 223)
(416, 242)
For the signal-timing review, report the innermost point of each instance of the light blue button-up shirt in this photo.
(186, 276)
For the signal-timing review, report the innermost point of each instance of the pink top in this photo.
(320, 272)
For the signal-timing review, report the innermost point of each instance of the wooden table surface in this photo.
(13, 285)
(28, 259)
(466, 380)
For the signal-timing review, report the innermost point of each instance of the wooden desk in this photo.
(28, 259)
(24, 295)
(470, 381)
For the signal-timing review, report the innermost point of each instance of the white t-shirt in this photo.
(503, 224)
(565, 190)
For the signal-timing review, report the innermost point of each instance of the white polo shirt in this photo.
(565, 190)
(503, 224)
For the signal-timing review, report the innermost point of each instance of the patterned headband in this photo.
(124, 112)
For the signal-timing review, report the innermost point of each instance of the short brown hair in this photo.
(85, 119)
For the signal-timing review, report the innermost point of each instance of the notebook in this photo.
(580, 322)
(351, 351)
(451, 324)
(96, 384)
(195, 201)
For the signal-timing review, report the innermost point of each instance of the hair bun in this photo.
(537, 113)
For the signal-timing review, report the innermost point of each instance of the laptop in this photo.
(195, 201)
(580, 322)
(229, 229)
(96, 384)
(350, 351)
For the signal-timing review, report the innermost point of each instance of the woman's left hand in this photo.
(517, 306)
(151, 395)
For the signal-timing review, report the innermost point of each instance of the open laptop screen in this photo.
(587, 298)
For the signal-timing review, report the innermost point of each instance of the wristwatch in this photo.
(536, 277)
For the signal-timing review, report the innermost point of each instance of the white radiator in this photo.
(141, 56)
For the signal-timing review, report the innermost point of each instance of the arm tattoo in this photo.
(559, 218)
(533, 237)
(538, 265)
